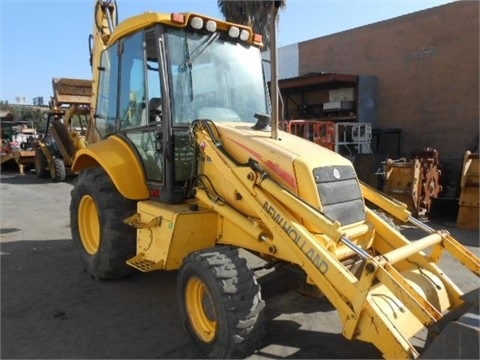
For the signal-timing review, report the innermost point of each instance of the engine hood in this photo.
(280, 158)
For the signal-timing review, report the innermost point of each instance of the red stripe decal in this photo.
(285, 175)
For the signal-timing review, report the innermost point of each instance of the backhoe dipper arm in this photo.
(104, 22)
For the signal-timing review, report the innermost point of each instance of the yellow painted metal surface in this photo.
(149, 19)
(101, 34)
(468, 213)
(277, 212)
(89, 224)
(395, 208)
(398, 292)
(176, 232)
(104, 37)
(78, 140)
(294, 159)
(120, 162)
(201, 309)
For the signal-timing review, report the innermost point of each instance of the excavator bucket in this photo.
(72, 91)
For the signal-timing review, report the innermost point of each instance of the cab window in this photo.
(106, 111)
(132, 105)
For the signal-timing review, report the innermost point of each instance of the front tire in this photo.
(58, 172)
(97, 211)
(220, 303)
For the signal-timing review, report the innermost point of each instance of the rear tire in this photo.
(57, 170)
(97, 211)
(220, 303)
(41, 164)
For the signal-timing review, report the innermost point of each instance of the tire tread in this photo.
(241, 298)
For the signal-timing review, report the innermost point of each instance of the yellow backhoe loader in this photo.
(186, 166)
(55, 151)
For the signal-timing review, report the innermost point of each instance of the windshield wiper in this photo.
(197, 52)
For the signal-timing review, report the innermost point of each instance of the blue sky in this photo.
(42, 39)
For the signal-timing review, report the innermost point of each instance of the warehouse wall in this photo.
(427, 66)
(287, 64)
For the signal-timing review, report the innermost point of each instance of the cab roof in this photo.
(178, 20)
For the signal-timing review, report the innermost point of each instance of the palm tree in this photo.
(254, 13)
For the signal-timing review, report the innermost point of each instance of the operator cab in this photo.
(167, 77)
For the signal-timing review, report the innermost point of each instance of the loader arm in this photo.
(395, 291)
(399, 211)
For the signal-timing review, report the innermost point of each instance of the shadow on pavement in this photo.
(297, 343)
(28, 179)
(52, 309)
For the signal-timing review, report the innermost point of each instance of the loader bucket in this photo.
(460, 337)
(72, 91)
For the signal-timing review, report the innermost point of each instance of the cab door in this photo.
(139, 113)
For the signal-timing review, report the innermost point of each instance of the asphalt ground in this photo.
(51, 308)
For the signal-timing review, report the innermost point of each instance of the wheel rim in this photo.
(201, 310)
(88, 224)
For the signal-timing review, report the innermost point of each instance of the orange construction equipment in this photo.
(320, 132)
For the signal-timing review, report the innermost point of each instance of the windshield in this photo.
(214, 79)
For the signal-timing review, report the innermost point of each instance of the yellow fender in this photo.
(120, 162)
